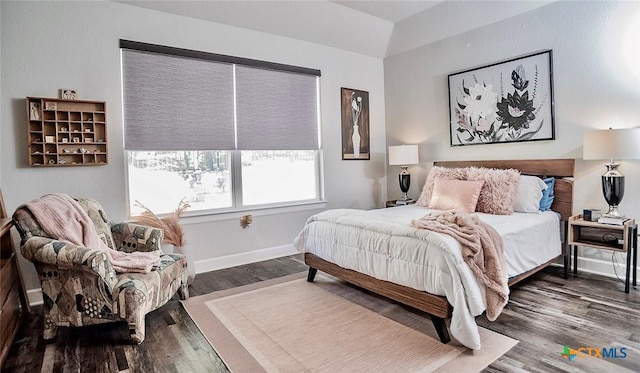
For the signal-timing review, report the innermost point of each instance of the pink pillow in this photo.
(438, 172)
(499, 191)
(459, 195)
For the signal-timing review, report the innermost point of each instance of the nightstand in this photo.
(394, 203)
(620, 238)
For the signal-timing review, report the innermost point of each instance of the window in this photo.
(226, 133)
(158, 180)
(278, 176)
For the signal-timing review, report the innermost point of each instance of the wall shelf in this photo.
(66, 132)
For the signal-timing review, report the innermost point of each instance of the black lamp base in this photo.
(405, 181)
(613, 190)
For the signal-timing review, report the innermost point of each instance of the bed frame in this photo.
(437, 307)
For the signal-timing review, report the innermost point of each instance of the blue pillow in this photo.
(547, 194)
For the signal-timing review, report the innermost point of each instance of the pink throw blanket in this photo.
(481, 250)
(62, 218)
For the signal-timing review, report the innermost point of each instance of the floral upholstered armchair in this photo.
(80, 285)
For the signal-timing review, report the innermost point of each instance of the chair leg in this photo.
(50, 328)
(183, 291)
(137, 328)
(50, 324)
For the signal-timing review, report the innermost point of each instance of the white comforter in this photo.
(383, 244)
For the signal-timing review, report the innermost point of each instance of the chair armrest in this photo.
(63, 254)
(130, 237)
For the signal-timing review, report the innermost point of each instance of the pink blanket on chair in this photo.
(62, 218)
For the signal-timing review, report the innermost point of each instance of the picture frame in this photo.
(355, 124)
(49, 105)
(68, 94)
(507, 101)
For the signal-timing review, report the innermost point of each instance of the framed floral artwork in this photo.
(355, 124)
(509, 101)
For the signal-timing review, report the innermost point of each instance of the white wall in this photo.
(596, 86)
(1, 93)
(52, 45)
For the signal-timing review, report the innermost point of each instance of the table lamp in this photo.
(403, 156)
(612, 144)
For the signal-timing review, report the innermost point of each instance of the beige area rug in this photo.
(290, 325)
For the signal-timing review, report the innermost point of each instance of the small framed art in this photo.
(355, 124)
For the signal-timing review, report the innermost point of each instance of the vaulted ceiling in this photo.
(374, 28)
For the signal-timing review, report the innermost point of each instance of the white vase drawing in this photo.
(355, 139)
(356, 109)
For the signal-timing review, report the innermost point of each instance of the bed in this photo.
(447, 293)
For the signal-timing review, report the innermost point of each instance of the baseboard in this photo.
(234, 260)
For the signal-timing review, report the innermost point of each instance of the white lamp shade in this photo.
(403, 155)
(612, 144)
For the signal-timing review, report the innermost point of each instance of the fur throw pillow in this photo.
(499, 191)
(438, 172)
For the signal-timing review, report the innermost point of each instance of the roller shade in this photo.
(176, 103)
(180, 99)
(276, 110)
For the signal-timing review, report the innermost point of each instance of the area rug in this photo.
(290, 325)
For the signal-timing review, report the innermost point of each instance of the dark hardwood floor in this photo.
(544, 313)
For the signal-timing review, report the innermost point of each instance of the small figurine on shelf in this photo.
(68, 94)
(34, 110)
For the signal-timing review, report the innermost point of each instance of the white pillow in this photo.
(529, 194)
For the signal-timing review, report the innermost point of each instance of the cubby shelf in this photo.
(66, 132)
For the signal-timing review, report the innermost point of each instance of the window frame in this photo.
(235, 171)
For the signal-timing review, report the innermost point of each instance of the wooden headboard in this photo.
(560, 169)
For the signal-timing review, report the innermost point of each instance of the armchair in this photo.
(79, 284)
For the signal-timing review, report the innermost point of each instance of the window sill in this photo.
(207, 216)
